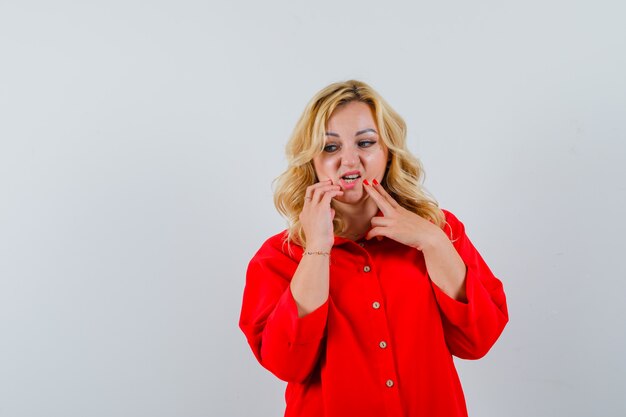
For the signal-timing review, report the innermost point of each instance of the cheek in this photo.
(377, 160)
(324, 166)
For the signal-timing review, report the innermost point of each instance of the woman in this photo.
(360, 304)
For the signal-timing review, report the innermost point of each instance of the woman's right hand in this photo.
(317, 215)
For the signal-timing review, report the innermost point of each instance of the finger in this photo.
(379, 187)
(381, 221)
(328, 196)
(319, 192)
(312, 187)
(380, 201)
(326, 202)
(376, 232)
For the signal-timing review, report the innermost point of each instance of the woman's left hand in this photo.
(399, 223)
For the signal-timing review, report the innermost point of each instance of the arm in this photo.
(310, 283)
(445, 266)
(470, 298)
(472, 327)
(285, 304)
(284, 343)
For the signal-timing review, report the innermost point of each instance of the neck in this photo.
(357, 217)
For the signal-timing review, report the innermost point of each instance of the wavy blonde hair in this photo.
(404, 175)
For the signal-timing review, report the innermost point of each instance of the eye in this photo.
(330, 148)
(366, 143)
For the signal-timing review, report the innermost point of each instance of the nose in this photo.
(349, 157)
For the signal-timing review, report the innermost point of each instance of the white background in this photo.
(139, 140)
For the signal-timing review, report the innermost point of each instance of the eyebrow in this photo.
(360, 132)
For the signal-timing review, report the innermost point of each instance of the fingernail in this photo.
(375, 182)
(366, 183)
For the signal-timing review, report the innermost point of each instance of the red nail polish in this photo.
(365, 182)
(375, 182)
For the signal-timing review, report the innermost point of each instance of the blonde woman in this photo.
(362, 302)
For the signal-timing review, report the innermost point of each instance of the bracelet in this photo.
(318, 252)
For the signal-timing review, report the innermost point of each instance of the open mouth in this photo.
(350, 178)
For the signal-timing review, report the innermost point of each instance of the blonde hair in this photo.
(403, 179)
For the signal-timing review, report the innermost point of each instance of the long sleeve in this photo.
(382, 343)
(284, 344)
(472, 328)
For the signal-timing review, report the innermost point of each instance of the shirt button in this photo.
(382, 344)
(366, 268)
(361, 244)
(376, 305)
(389, 383)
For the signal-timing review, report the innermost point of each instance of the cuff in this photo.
(302, 330)
(459, 313)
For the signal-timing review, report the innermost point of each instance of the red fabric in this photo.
(332, 358)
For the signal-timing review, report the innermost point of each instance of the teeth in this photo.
(351, 177)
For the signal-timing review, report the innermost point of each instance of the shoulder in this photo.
(275, 259)
(277, 246)
(453, 227)
(449, 216)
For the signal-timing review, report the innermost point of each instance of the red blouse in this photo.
(382, 344)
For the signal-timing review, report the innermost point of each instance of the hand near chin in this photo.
(317, 215)
(399, 223)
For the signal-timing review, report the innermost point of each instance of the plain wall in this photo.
(139, 140)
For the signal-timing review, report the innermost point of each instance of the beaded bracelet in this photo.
(319, 252)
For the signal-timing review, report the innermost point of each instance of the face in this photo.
(353, 151)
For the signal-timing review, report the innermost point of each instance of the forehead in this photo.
(354, 115)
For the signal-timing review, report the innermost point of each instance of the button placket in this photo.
(383, 345)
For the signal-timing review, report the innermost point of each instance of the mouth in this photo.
(349, 179)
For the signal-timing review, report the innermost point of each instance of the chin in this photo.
(352, 197)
